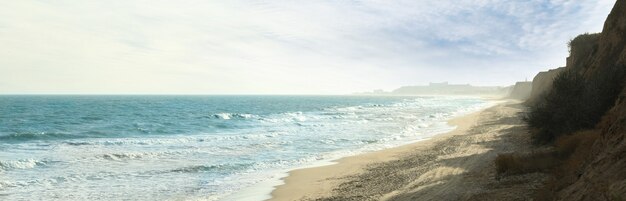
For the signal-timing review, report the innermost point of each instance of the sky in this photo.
(282, 47)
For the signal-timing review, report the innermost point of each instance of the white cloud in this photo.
(281, 46)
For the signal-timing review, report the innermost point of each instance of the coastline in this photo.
(343, 179)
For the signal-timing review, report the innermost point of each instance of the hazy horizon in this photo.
(375, 92)
(294, 47)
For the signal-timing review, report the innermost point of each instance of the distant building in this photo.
(446, 84)
(379, 91)
(438, 84)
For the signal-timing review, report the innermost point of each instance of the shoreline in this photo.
(319, 180)
(366, 173)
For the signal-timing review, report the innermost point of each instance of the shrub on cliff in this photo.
(558, 112)
(574, 103)
(583, 45)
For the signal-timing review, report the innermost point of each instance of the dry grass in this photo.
(574, 151)
(577, 145)
(522, 163)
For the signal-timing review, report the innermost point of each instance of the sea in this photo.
(153, 147)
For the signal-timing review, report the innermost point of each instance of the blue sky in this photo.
(282, 47)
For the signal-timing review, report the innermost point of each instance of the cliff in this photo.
(542, 83)
(521, 90)
(603, 176)
(591, 90)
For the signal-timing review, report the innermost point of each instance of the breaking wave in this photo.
(20, 164)
(212, 168)
(233, 116)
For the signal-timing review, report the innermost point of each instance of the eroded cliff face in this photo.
(603, 176)
(521, 90)
(542, 83)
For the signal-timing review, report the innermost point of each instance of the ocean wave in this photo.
(174, 140)
(20, 164)
(131, 141)
(233, 116)
(122, 156)
(20, 137)
(338, 113)
(138, 155)
(289, 117)
(78, 143)
(438, 115)
(212, 168)
(92, 118)
(296, 116)
(369, 141)
(6, 184)
(351, 108)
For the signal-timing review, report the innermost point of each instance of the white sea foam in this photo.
(6, 184)
(122, 156)
(233, 116)
(20, 164)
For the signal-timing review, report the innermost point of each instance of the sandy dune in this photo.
(453, 166)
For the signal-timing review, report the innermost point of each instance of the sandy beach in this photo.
(453, 166)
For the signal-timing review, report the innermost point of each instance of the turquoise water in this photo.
(194, 147)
